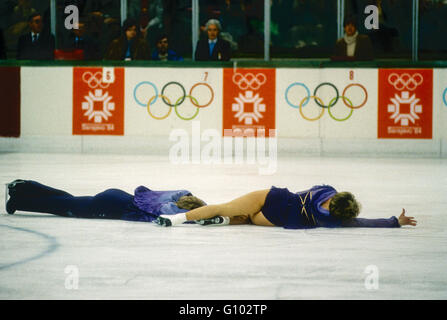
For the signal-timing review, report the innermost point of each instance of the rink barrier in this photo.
(46, 110)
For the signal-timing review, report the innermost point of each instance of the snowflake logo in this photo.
(242, 105)
(396, 108)
(107, 106)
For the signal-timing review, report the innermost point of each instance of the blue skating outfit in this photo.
(302, 210)
(146, 205)
(150, 204)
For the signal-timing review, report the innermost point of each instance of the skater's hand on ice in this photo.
(403, 220)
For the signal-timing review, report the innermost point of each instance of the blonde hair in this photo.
(189, 202)
(344, 206)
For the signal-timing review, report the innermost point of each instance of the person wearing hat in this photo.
(129, 46)
(353, 46)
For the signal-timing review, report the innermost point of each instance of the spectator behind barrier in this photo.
(80, 40)
(15, 21)
(129, 46)
(214, 48)
(353, 46)
(162, 51)
(35, 45)
(2, 46)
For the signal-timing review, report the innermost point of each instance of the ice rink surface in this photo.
(41, 255)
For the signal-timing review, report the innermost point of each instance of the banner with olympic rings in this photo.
(405, 103)
(249, 105)
(98, 101)
(160, 99)
(327, 102)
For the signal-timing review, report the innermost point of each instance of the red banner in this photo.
(405, 104)
(98, 101)
(249, 102)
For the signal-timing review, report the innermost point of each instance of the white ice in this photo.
(40, 254)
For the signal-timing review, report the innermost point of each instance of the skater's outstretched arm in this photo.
(392, 222)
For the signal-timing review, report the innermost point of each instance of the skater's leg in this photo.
(28, 195)
(61, 205)
(30, 188)
(248, 205)
(239, 220)
(110, 204)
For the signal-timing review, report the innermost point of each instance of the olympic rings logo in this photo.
(94, 80)
(249, 81)
(347, 101)
(176, 102)
(405, 81)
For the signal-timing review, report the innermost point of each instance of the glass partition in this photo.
(393, 39)
(303, 28)
(242, 24)
(432, 30)
(171, 18)
(298, 28)
(100, 24)
(177, 20)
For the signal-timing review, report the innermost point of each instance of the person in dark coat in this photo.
(353, 46)
(213, 48)
(129, 46)
(78, 39)
(36, 45)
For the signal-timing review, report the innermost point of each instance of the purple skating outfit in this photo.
(302, 210)
(151, 204)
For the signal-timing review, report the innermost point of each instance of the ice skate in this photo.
(9, 192)
(164, 222)
(219, 220)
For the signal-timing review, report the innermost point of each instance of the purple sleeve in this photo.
(371, 223)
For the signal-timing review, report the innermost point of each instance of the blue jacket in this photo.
(172, 56)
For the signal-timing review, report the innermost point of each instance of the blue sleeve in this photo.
(371, 223)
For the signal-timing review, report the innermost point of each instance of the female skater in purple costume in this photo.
(320, 206)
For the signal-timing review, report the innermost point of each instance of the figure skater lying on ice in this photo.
(320, 206)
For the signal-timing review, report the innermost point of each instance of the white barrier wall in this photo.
(47, 99)
(440, 107)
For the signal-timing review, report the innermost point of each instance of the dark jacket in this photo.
(89, 46)
(363, 49)
(221, 51)
(42, 49)
(117, 49)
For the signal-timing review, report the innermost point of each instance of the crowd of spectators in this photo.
(227, 27)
